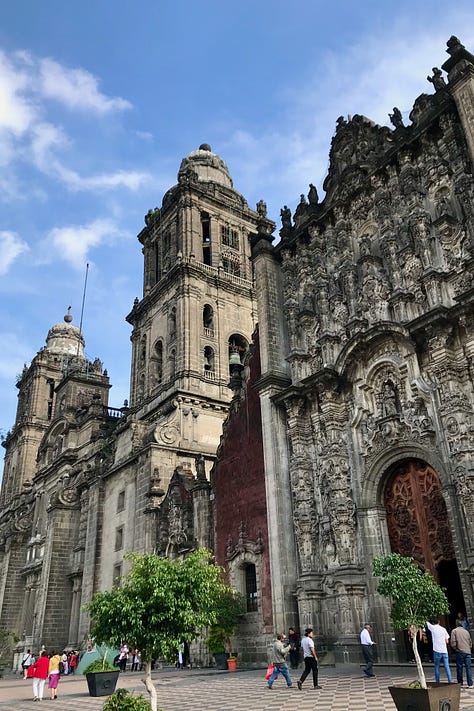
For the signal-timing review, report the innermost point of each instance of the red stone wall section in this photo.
(239, 483)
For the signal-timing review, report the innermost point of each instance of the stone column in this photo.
(273, 340)
(92, 552)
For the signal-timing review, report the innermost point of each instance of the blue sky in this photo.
(100, 101)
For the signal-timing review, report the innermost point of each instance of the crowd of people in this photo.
(290, 645)
(125, 656)
(48, 667)
(53, 665)
(459, 641)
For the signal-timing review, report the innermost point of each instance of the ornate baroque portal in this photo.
(418, 524)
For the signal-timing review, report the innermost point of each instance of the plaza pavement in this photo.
(343, 687)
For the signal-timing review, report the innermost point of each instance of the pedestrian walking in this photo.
(461, 642)
(27, 660)
(53, 675)
(440, 649)
(295, 644)
(367, 649)
(279, 652)
(310, 659)
(39, 674)
(73, 662)
(123, 657)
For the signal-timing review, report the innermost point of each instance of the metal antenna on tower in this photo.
(82, 307)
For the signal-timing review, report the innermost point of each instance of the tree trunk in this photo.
(150, 687)
(419, 665)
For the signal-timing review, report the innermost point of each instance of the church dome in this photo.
(207, 166)
(65, 339)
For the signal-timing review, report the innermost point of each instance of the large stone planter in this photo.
(102, 683)
(221, 659)
(437, 697)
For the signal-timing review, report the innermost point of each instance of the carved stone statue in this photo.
(437, 79)
(285, 214)
(396, 118)
(389, 401)
(313, 195)
(262, 208)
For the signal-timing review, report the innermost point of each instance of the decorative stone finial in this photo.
(205, 147)
(68, 317)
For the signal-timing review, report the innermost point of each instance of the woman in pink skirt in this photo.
(53, 672)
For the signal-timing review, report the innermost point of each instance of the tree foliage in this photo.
(159, 604)
(230, 608)
(123, 700)
(416, 596)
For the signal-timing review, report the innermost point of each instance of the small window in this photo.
(208, 317)
(231, 266)
(117, 575)
(119, 538)
(229, 236)
(251, 587)
(209, 364)
(206, 238)
(121, 501)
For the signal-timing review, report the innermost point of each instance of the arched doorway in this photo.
(418, 526)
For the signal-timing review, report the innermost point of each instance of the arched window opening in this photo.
(238, 346)
(208, 320)
(251, 587)
(209, 361)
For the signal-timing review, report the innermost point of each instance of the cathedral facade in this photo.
(341, 430)
(365, 381)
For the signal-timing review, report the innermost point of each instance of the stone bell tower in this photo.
(197, 310)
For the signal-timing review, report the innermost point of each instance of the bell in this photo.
(234, 359)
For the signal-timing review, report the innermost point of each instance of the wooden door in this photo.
(417, 518)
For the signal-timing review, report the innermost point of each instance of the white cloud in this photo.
(11, 246)
(76, 89)
(73, 243)
(145, 136)
(30, 133)
(17, 111)
(47, 140)
(132, 180)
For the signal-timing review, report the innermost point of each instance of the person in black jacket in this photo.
(295, 644)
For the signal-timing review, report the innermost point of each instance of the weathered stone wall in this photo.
(241, 520)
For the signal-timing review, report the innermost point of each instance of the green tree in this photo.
(415, 595)
(229, 610)
(159, 604)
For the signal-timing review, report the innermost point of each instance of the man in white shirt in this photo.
(367, 649)
(440, 650)
(310, 659)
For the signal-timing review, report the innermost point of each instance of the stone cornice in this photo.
(272, 380)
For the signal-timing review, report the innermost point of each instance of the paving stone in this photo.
(205, 690)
